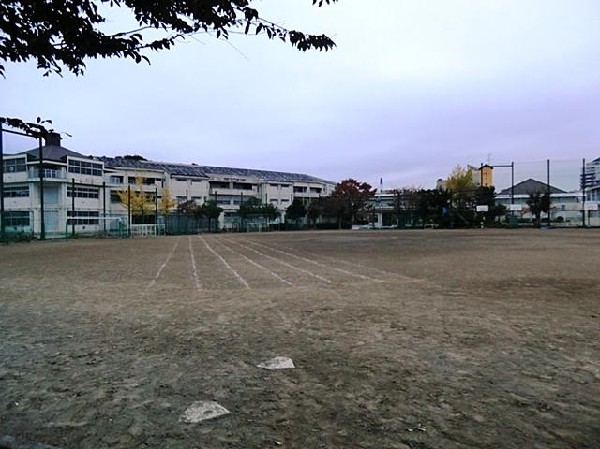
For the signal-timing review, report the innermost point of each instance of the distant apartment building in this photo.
(81, 193)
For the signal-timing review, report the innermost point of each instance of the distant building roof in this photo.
(530, 186)
(204, 171)
(53, 153)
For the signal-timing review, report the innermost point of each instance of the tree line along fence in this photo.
(558, 193)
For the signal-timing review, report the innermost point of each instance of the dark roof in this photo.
(204, 171)
(53, 153)
(530, 186)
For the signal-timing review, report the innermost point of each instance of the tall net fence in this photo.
(572, 186)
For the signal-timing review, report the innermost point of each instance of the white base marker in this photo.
(277, 363)
(201, 411)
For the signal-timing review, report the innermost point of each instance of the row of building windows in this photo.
(83, 192)
(302, 189)
(15, 165)
(16, 191)
(16, 218)
(82, 217)
(84, 168)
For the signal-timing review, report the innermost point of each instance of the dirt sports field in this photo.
(415, 339)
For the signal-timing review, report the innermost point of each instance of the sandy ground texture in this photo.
(415, 339)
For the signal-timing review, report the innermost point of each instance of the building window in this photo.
(116, 179)
(114, 197)
(82, 217)
(218, 185)
(242, 186)
(15, 165)
(299, 189)
(16, 191)
(16, 217)
(315, 190)
(83, 192)
(84, 168)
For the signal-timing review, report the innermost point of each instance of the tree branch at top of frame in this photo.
(31, 129)
(61, 34)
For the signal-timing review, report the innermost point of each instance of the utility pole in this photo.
(583, 186)
(2, 222)
(128, 210)
(548, 188)
(72, 207)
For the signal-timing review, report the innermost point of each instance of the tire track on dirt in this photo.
(224, 262)
(282, 262)
(256, 264)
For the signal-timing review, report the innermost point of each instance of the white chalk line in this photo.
(377, 270)
(162, 267)
(194, 268)
(329, 267)
(272, 273)
(321, 278)
(235, 273)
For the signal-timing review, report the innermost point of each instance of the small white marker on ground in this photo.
(201, 411)
(277, 363)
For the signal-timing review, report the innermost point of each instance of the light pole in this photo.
(37, 135)
(2, 222)
(512, 182)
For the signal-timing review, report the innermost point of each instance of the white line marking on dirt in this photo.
(235, 273)
(341, 270)
(321, 278)
(162, 267)
(195, 270)
(275, 275)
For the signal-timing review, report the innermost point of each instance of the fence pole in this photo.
(583, 186)
(41, 175)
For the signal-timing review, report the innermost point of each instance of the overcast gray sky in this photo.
(414, 88)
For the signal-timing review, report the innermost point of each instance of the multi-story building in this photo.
(73, 192)
(81, 193)
(591, 186)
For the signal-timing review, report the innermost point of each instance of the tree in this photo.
(166, 203)
(295, 211)
(212, 211)
(538, 202)
(191, 208)
(253, 208)
(250, 208)
(460, 180)
(432, 206)
(335, 207)
(486, 196)
(354, 197)
(405, 204)
(139, 202)
(66, 33)
(314, 211)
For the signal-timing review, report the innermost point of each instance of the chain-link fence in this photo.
(571, 185)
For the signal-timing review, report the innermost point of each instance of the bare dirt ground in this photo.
(414, 339)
